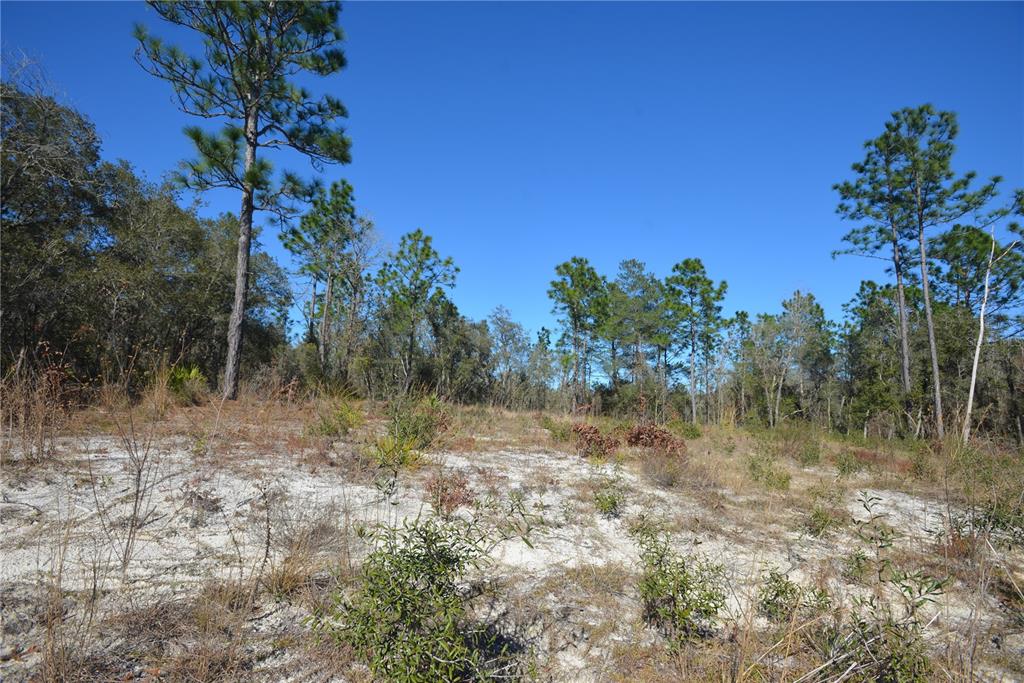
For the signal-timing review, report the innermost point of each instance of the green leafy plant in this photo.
(779, 598)
(765, 471)
(418, 422)
(820, 521)
(681, 596)
(187, 384)
(335, 419)
(609, 498)
(561, 432)
(410, 618)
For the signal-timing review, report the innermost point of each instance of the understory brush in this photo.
(411, 617)
(765, 470)
(591, 443)
(418, 422)
(680, 595)
(334, 418)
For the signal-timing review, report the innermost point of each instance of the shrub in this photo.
(409, 619)
(590, 442)
(419, 422)
(687, 430)
(820, 521)
(765, 471)
(655, 438)
(681, 596)
(561, 432)
(848, 463)
(393, 454)
(609, 498)
(778, 597)
(188, 385)
(448, 492)
(335, 419)
(875, 644)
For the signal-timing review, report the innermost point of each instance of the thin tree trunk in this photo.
(936, 381)
(325, 320)
(901, 304)
(693, 380)
(234, 357)
(977, 346)
(312, 312)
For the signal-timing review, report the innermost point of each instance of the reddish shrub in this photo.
(448, 492)
(590, 442)
(656, 439)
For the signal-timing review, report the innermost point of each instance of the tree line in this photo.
(119, 277)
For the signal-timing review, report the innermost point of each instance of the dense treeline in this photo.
(111, 277)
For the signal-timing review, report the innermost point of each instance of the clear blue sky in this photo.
(519, 135)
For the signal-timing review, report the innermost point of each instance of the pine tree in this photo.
(252, 52)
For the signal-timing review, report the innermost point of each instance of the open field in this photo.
(203, 543)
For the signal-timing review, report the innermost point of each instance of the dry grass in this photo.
(289, 555)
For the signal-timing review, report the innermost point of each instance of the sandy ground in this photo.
(570, 590)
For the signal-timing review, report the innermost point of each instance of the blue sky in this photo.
(519, 135)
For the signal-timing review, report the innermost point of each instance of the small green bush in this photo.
(418, 422)
(687, 430)
(681, 596)
(778, 597)
(187, 384)
(609, 498)
(765, 471)
(561, 432)
(394, 454)
(847, 464)
(410, 618)
(335, 419)
(820, 521)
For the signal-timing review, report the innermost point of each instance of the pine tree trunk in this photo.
(312, 313)
(936, 381)
(245, 215)
(693, 380)
(325, 320)
(901, 304)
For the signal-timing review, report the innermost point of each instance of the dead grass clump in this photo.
(36, 405)
(591, 443)
(447, 492)
(655, 438)
(663, 470)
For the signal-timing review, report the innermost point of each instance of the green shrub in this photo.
(681, 596)
(609, 498)
(418, 422)
(391, 453)
(187, 384)
(560, 432)
(778, 597)
(765, 471)
(847, 463)
(820, 521)
(687, 430)
(337, 418)
(875, 644)
(410, 618)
